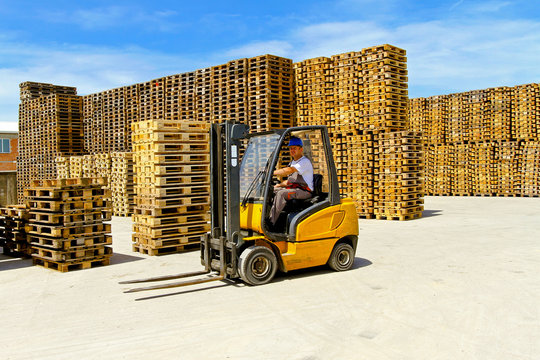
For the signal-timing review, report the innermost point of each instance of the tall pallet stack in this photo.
(417, 107)
(498, 113)
(495, 126)
(530, 169)
(13, 240)
(507, 155)
(314, 91)
(439, 169)
(482, 167)
(359, 96)
(122, 183)
(132, 106)
(172, 184)
(479, 125)
(66, 226)
(525, 111)
(400, 180)
(360, 152)
(32, 90)
(385, 82)
(270, 92)
(236, 88)
(348, 90)
(180, 96)
(436, 112)
(457, 122)
(461, 174)
(203, 95)
(49, 126)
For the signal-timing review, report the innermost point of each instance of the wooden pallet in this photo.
(166, 249)
(70, 266)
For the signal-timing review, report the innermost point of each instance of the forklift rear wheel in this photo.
(257, 265)
(342, 257)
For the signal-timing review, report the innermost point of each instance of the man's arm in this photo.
(285, 171)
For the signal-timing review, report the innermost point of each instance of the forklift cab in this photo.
(267, 152)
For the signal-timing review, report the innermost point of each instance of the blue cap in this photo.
(294, 141)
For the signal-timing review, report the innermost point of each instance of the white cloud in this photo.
(443, 56)
(113, 16)
(90, 69)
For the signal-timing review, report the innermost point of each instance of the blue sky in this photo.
(452, 46)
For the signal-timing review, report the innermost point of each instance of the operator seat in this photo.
(295, 206)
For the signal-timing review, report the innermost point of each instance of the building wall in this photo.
(8, 188)
(8, 160)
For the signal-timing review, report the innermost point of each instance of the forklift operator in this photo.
(299, 183)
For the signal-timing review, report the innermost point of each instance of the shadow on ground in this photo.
(318, 270)
(119, 258)
(430, 213)
(292, 275)
(12, 263)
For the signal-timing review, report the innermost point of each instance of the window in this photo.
(4, 146)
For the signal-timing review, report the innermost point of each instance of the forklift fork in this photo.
(207, 271)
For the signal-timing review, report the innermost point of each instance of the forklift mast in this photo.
(224, 238)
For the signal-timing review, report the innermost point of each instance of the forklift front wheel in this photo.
(342, 257)
(257, 265)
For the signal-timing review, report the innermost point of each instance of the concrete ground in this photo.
(460, 283)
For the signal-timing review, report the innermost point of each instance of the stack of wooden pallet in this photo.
(203, 95)
(13, 219)
(457, 123)
(62, 167)
(66, 226)
(495, 125)
(172, 183)
(88, 166)
(361, 173)
(131, 113)
(525, 111)
(479, 125)
(348, 85)
(436, 112)
(482, 168)
(50, 126)
(180, 96)
(400, 181)
(383, 104)
(507, 156)
(314, 91)
(530, 168)
(359, 96)
(102, 165)
(122, 183)
(270, 93)
(499, 113)
(33, 90)
(439, 169)
(417, 108)
(461, 175)
(75, 167)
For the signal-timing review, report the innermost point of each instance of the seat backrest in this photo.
(317, 184)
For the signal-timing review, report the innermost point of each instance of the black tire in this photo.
(257, 265)
(342, 257)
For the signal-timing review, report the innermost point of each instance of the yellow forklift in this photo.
(241, 244)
